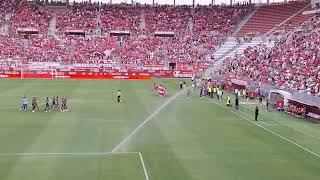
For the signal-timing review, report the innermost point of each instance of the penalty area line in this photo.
(9, 107)
(83, 154)
(67, 153)
(143, 166)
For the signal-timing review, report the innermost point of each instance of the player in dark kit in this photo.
(64, 106)
(47, 108)
(57, 102)
(53, 105)
(34, 104)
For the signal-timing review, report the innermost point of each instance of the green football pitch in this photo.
(147, 137)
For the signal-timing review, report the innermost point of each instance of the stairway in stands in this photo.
(143, 19)
(230, 43)
(240, 49)
(269, 16)
(53, 25)
(98, 30)
(5, 27)
(190, 21)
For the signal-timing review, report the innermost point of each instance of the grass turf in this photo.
(191, 138)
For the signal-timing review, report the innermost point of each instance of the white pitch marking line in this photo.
(270, 124)
(144, 166)
(83, 154)
(67, 153)
(307, 134)
(304, 133)
(9, 107)
(270, 131)
(141, 125)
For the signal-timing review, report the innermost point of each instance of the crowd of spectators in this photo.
(65, 49)
(10, 47)
(91, 50)
(139, 51)
(30, 14)
(86, 17)
(293, 64)
(297, 110)
(82, 16)
(167, 18)
(132, 52)
(121, 17)
(184, 49)
(218, 18)
(191, 49)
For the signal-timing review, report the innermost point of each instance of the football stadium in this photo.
(159, 90)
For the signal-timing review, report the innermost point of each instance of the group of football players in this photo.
(55, 104)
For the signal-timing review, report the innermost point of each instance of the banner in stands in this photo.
(164, 33)
(28, 30)
(119, 33)
(75, 32)
(96, 73)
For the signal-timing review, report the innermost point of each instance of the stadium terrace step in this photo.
(267, 17)
(230, 43)
(240, 49)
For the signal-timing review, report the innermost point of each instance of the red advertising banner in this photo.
(96, 74)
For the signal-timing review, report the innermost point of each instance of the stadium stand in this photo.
(295, 21)
(223, 19)
(167, 18)
(82, 16)
(293, 64)
(6, 8)
(269, 16)
(158, 51)
(30, 15)
(121, 17)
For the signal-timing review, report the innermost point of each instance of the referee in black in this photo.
(237, 103)
(256, 113)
